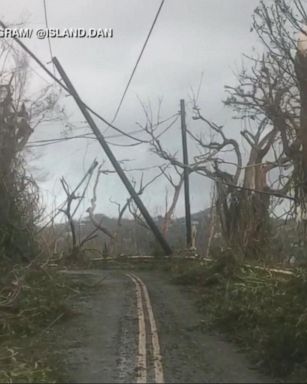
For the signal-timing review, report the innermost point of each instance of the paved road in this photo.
(140, 328)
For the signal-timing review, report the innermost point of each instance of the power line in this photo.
(56, 140)
(39, 62)
(138, 60)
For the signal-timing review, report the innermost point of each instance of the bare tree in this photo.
(70, 212)
(155, 129)
(91, 209)
(170, 208)
(271, 97)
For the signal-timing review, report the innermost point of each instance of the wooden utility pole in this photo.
(186, 176)
(165, 246)
(301, 72)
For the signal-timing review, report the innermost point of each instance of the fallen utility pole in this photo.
(186, 176)
(150, 222)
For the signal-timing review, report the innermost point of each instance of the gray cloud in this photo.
(190, 37)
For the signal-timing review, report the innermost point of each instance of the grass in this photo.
(265, 314)
(24, 325)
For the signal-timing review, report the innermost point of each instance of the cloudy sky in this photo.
(191, 37)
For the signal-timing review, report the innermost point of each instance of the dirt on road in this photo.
(114, 338)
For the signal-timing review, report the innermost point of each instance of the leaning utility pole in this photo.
(186, 176)
(113, 160)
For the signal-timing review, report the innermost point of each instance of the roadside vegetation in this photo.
(258, 216)
(263, 311)
(257, 219)
(33, 295)
(33, 300)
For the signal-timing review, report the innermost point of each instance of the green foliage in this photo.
(41, 299)
(19, 210)
(19, 370)
(265, 313)
(25, 323)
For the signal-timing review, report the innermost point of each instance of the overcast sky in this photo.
(191, 37)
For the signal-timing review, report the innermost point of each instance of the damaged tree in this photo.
(243, 195)
(272, 95)
(14, 133)
(271, 99)
(173, 173)
(301, 73)
(170, 207)
(77, 243)
(19, 116)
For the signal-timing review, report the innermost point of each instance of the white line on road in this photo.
(158, 368)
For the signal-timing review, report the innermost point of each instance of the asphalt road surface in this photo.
(139, 328)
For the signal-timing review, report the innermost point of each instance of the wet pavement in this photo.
(100, 345)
